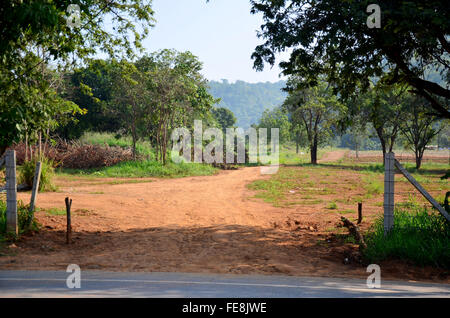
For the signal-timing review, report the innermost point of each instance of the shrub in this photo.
(27, 171)
(418, 235)
(25, 219)
(332, 206)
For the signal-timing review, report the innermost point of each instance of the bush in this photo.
(77, 155)
(418, 235)
(25, 219)
(28, 169)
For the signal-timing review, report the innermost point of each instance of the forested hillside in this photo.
(247, 100)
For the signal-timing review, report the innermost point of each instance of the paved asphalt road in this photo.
(107, 284)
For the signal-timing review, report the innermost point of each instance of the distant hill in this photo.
(247, 100)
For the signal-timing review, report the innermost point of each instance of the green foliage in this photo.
(247, 101)
(316, 110)
(276, 118)
(36, 34)
(418, 235)
(332, 206)
(224, 117)
(28, 169)
(331, 37)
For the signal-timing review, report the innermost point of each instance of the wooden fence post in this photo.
(11, 193)
(34, 192)
(69, 221)
(389, 174)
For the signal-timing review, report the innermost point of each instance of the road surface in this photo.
(108, 284)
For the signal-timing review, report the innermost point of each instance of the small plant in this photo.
(28, 169)
(332, 206)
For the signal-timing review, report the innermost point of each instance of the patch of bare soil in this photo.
(333, 156)
(196, 224)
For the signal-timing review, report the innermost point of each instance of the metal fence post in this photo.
(389, 173)
(11, 193)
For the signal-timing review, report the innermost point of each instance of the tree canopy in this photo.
(331, 37)
(40, 37)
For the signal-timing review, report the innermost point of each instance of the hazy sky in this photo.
(222, 33)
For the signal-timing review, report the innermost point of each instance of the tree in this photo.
(178, 94)
(129, 98)
(418, 128)
(385, 108)
(36, 33)
(331, 37)
(91, 87)
(225, 117)
(319, 110)
(276, 118)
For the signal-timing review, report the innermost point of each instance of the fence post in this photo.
(35, 190)
(389, 173)
(11, 193)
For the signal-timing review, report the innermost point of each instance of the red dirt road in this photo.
(196, 224)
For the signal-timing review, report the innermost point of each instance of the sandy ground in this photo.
(196, 224)
(333, 156)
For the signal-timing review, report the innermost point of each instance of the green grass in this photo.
(96, 138)
(142, 169)
(54, 211)
(419, 236)
(373, 184)
(288, 155)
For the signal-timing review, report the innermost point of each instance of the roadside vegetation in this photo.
(419, 236)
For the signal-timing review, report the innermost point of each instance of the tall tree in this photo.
(225, 117)
(35, 34)
(331, 37)
(129, 98)
(419, 128)
(178, 94)
(319, 110)
(276, 118)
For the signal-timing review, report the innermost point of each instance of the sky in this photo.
(222, 33)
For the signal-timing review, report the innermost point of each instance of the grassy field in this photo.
(334, 189)
(142, 169)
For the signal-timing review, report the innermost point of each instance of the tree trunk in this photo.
(382, 141)
(297, 143)
(314, 151)
(419, 157)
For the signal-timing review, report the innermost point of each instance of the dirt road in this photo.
(197, 224)
(333, 156)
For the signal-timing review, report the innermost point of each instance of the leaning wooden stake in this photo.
(34, 192)
(69, 225)
(11, 193)
(354, 230)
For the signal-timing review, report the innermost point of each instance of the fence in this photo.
(9, 161)
(389, 185)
